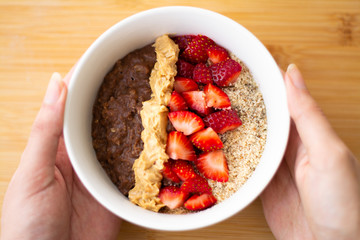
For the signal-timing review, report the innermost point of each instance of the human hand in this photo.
(316, 191)
(45, 199)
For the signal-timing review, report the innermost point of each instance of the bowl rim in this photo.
(82, 176)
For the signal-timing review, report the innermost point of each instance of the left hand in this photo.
(45, 198)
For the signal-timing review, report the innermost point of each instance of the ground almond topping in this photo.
(243, 146)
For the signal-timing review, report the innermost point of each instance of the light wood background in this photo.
(40, 37)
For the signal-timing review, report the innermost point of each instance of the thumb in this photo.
(40, 152)
(314, 130)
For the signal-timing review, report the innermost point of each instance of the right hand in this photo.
(316, 192)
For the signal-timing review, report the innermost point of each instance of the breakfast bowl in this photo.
(135, 32)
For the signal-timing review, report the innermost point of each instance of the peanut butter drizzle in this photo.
(148, 166)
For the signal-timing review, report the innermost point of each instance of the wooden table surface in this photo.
(40, 37)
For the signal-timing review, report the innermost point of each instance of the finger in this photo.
(314, 130)
(279, 196)
(279, 183)
(282, 73)
(295, 149)
(62, 163)
(40, 152)
(68, 76)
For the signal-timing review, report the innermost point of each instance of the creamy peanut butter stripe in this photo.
(148, 166)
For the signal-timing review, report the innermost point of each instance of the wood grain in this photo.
(40, 37)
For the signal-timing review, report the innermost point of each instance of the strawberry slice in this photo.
(202, 73)
(168, 173)
(206, 140)
(177, 102)
(213, 165)
(184, 69)
(195, 52)
(183, 40)
(217, 54)
(196, 184)
(226, 72)
(182, 84)
(184, 170)
(200, 202)
(179, 147)
(172, 196)
(215, 97)
(223, 121)
(196, 101)
(186, 122)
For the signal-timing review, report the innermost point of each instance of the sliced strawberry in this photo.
(177, 102)
(183, 40)
(172, 196)
(182, 84)
(217, 54)
(200, 202)
(213, 165)
(196, 184)
(183, 169)
(196, 101)
(179, 147)
(206, 140)
(226, 72)
(186, 122)
(168, 173)
(184, 69)
(215, 97)
(202, 73)
(195, 52)
(223, 121)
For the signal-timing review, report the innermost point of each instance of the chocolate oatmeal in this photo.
(116, 125)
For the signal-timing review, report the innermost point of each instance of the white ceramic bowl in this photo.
(135, 32)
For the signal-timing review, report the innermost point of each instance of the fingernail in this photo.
(54, 89)
(296, 76)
